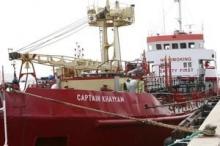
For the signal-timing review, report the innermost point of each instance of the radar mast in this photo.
(180, 15)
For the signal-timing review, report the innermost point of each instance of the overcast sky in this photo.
(24, 21)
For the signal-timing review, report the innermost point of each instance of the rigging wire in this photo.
(54, 40)
(55, 37)
(68, 27)
(58, 31)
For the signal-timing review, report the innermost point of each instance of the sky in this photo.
(25, 21)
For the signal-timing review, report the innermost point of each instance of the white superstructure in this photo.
(187, 54)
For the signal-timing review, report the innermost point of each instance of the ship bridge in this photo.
(175, 41)
(185, 51)
(187, 54)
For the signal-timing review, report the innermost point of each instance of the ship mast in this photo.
(180, 15)
(110, 17)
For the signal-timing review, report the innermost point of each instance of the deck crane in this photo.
(110, 17)
(76, 64)
(103, 18)
(27, 58)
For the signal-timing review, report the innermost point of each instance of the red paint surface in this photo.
(30, 118)
(176, 37)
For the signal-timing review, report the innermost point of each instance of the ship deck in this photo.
(213, 119)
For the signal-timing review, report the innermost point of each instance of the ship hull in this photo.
(29, 131)
(34, 122)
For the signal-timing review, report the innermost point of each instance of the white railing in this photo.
(3, 109)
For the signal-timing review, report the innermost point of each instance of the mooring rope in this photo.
(186, 139)
(144, 121)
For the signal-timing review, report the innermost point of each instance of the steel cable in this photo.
(69, 27)
(56, 38)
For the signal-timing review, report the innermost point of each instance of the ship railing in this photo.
(107, 68)
(3, 109)
(110, 65)
(155, 83)
(183, 102)
(122, 66)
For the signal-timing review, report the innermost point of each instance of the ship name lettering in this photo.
(112, 99)
(178, 59)
(88, 97)
(98, 98)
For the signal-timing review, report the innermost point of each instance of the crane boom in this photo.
(62, 61)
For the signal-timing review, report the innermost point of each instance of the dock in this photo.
(212, 119)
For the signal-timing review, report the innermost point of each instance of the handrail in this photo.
(108, 62)
(3, 108)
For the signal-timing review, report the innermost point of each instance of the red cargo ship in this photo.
(90, 103)
(36, 122)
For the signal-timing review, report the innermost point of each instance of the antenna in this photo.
(164, 19)
(3, 76)
(202, 27)
(189, 27)
(107, 5)
(180, 15)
